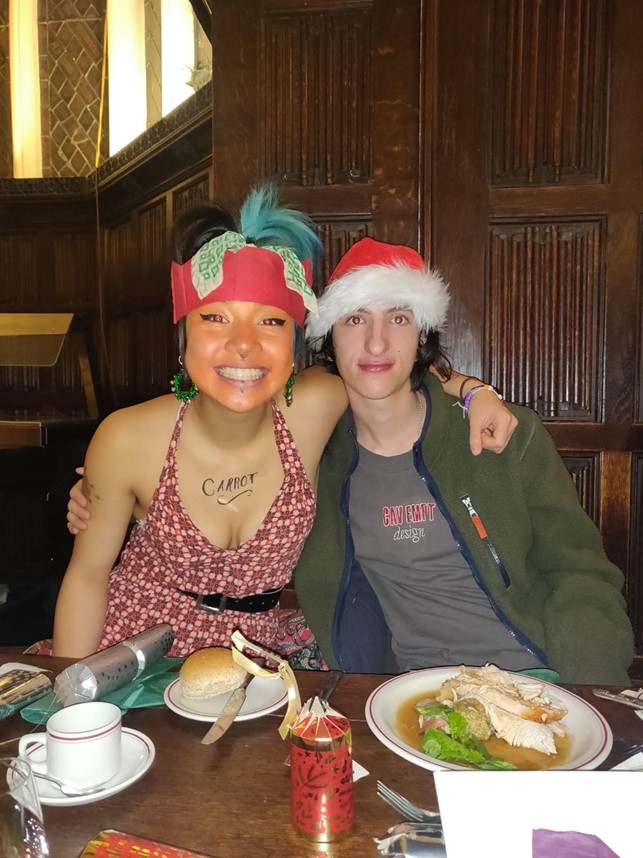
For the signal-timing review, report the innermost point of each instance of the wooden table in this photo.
(232, 798)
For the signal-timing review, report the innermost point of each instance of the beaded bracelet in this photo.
(473, 391)
(464, 381)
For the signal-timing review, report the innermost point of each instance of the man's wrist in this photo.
(466, 402)
(471, 380)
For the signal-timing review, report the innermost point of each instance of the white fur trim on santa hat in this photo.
(423, 292)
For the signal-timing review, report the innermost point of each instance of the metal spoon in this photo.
(67, 789)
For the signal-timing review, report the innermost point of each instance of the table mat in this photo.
(144, 691)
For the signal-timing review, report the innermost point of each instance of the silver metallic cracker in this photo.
(112, 668)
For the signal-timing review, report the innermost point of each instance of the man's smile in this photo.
(375, 367)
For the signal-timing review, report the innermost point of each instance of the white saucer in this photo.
(262, 697)
(137, 755)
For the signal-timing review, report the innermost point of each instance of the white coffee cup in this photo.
(82, 742)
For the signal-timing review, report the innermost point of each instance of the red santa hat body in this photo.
(373, 273)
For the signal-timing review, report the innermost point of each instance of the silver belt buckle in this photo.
(210, 608)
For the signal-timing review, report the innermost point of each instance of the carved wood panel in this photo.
(19, 252)
(549, 104)
(544, 316)
(337, 236)
(585, 472)
(152, 242)
(191, 193)
(121, 264)
(75, 275)
(315, 97)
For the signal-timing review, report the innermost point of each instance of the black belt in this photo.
(217, 602)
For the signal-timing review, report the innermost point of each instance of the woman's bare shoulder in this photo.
(318, 401)
(138, 425)
(318, 384)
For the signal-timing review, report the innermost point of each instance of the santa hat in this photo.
(372, 273)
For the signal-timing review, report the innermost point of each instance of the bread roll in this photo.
(208, 672)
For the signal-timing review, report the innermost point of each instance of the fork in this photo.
(625, 748)
(408, 810)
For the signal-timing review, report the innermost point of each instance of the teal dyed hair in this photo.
(262, 221)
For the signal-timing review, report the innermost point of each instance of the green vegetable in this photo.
(456, 722)
(456, 743)
(437, 744)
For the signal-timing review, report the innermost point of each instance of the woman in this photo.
(218, 535)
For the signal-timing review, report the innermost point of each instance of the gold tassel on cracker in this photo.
(284, 670)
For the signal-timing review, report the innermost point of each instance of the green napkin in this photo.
(544, 673)
(146, 690)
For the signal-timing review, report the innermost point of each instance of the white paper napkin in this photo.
(631, 764)
(501, 810)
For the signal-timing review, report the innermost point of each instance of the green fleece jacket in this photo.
(551, 584)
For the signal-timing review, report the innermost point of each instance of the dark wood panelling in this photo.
(191, 193)
(556, 49)
(397, 38)
(338, 236)
(537, 154)
(19, 253)
(75, 272)
(544, 310)
(457, 94)
(585, 472)
(121, 260)
(316, 73)
(616, 475)
(153, 247)
(141, 340)
(338, 87)
(235, 117)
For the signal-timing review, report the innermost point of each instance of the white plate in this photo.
(137, 755)
(591, 737)
(262, 697)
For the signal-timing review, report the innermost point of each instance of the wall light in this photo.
(25, 89)
(126, 61)
(177, 52)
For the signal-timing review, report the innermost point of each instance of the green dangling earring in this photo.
(288, 390)
(177, 390)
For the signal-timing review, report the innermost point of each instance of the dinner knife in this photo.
(228, 713)
(634, 702)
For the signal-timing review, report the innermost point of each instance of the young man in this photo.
(422, 554)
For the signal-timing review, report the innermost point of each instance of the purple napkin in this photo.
(568, 844)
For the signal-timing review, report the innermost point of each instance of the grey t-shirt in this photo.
(436, 612)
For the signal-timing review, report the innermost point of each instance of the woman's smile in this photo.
(241, 373)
